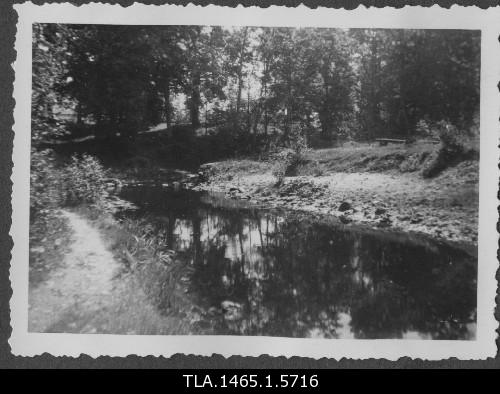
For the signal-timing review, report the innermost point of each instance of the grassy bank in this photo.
(378, 186)
(369, 158)
(149, 293)
(140, 288)
(145, 257)
(354, 157)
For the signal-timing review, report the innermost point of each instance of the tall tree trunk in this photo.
(195, 101)
(289, 108)
(325, 126)
(263, 97)
(195, 96)
(249, 120)
(403, 120)
(265, 77)
(324, 113)
(238, 97)
(374, 98)
(168, 108)
(240, 69)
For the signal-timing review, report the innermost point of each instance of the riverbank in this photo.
(181, 262)
(444, 207)
(105, 276)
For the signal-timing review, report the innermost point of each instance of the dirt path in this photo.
(79, 287)
(90, 291)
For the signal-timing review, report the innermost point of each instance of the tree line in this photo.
(333, 83)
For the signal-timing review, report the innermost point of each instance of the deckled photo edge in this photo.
(30, 344)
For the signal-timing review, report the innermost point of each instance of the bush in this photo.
(289, 159)
(81, 181)
(287, 163)
(284, 164)
(450, 151)
(84, 180)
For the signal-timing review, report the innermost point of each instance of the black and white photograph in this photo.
(254, 181)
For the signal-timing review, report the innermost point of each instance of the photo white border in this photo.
(24, 343)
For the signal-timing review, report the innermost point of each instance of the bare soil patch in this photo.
(445, 206)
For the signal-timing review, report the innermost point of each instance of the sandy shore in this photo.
(444, 207)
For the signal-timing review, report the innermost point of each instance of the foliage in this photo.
(83, 180)
(258, 84)
(286, 163)
(144, 250)
(288, 160)
(203, 67)
(110, 73)
(52, 185)
(451, 149)
(409, 75)
(48, 49)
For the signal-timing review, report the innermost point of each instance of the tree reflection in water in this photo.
(294, 275)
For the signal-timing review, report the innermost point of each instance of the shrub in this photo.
(287, 163)
(283, 164)
(51, 186)
(451, 150)
(83, 180)
(289, 159)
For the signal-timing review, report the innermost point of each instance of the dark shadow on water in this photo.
(261, 272)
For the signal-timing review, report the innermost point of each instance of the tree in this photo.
(362, 83)
(288, 81)
(310, 76)
(265, 54)
(331, 90)
(411, 75)
(203, 47)
(169, 63)
(239, 54)
(369, 60)
(111, 79)
(49, 46)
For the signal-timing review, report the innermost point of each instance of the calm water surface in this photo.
(276, 273)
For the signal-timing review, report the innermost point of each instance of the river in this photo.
(255, 271)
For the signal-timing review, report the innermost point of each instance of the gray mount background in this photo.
(8, 20)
